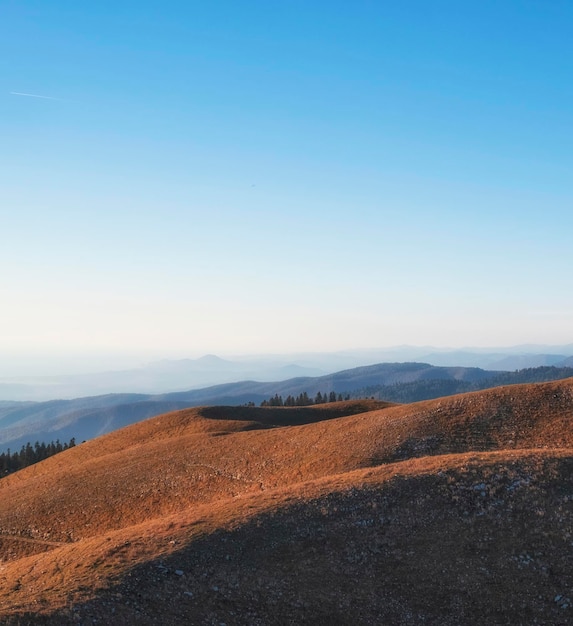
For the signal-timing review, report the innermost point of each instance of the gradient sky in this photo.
(244, 177)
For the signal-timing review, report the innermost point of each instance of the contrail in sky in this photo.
(32, 95)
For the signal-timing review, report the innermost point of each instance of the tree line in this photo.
(28, 455)
(303, 399)
(439, 388)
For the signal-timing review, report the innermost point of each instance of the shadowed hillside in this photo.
(356, 512)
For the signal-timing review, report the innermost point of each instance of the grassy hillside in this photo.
(356, 512)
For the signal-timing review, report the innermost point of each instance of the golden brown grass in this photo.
(85, 525)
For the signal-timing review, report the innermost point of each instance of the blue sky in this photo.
(244, 177)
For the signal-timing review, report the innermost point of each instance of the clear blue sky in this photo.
(273, 176)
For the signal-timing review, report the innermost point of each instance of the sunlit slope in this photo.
(162, 465)
(197, 456)
(455, 539)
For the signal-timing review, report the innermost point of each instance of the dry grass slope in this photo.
(451, 511)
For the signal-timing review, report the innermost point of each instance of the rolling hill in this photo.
(455, 510)
(86, 418)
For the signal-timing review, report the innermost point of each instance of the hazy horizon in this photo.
(236, 178)
(34, 365)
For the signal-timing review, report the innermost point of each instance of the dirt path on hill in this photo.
(42, 542)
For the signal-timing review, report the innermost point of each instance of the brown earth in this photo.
(450, 511)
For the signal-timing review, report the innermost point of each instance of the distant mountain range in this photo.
(158, 377)
(168, 376)
(89, 417)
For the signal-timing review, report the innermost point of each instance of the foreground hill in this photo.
(450, 511)
(86, 418)
(463, 539)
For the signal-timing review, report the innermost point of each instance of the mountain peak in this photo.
(210, 358)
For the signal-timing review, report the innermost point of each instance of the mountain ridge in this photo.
(85, 418)
(169, 375)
